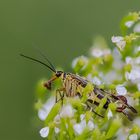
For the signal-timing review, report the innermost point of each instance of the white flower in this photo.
(122, 134)
(83, 61)
(99, 52)
(133, 137)
(83, 123)
(50, 103)
(44, 132)
(132, 61)
(109, 114)
(45, 110)
(116, 39)
(137, 49)
(67, 111)
(117, 64)
(132, 101)
(90, 125)
(121, 90)
(42, 114)
(137, 28)
(82, 116)
(128, 60)
(134, 75)
(96, 81)
(57, 130)
(129, 23)
(119, 41)
(109, 77)
(57, 119)
(79, 127)
(96, 52)
(121, 44)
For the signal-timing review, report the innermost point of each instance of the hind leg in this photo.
(89, 105)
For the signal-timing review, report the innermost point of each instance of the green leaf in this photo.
(54, 111)
(114, 126)
(88, 89)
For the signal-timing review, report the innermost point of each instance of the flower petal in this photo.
(121, 90)
(44, 132)
(133, 137)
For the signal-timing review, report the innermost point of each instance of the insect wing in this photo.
(81, 80)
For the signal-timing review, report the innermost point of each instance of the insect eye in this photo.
(58, 73)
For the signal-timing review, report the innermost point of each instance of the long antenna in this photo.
(45, 57)
(35, 60)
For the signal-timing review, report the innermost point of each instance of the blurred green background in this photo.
(64, 29)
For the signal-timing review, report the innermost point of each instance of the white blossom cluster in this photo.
(135, 21)
(79, 127)
(134, 74)
(119, 41)
(66, 111)
(101, 73)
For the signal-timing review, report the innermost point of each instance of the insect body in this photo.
(71, 84)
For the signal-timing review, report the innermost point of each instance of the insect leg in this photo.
(96, 113)
(89, 105)
(61, 94)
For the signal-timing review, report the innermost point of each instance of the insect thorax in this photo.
(71, 85)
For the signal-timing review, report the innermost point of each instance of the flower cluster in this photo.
(116, 69)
